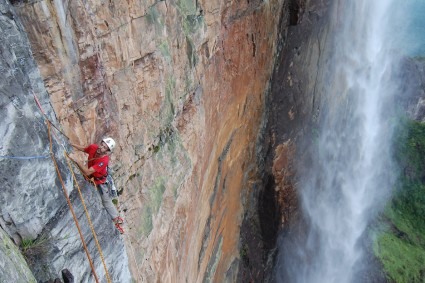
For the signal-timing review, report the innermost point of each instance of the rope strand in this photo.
(108, 278)
(70, 206)
(49, 123)
(45, 116)
(24, 157)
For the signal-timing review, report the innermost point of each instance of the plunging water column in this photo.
(349, 176)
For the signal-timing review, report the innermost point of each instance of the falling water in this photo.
(349, 176)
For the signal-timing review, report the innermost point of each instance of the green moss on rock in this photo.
(13, 267)
(155, 18)
(401, 245)
(402, 260)
(146, 225)
(155, 194)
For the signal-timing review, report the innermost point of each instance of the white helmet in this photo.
(110, 143)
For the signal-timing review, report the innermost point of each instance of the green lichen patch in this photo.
(146, 225)
(193, 23)
(191, 52)
(13, 267)
(165, 51)
(155, 194)
(155, 18)
(186, 7)
(167, 109)
(169, 155)
(151, 206)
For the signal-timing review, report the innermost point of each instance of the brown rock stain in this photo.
(135, 79)
(242, 81)
(283, 173)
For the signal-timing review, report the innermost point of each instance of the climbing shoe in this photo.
(118, 220)
(119, 228)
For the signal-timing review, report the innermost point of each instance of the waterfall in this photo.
(349, 176)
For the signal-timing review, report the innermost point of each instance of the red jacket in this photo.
(100, 164)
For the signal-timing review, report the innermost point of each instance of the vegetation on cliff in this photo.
(400, 246)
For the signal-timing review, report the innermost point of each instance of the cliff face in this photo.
(296, 100)
(12, 264)
(181, 86)
(22, 131)
(34, 212)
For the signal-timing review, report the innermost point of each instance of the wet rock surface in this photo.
(293, 105)
(412, 91)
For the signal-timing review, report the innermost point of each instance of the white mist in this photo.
(350, 175)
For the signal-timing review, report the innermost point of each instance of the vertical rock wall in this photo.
(27, 202)
(181, 86)
(291, 111)
(33, 211)
(13, 267)
(297, 99)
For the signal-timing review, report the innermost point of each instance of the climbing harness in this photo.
(100, 178)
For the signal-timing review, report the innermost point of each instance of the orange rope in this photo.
(45, 116)
(49, 123)
(70, 206)
(108, 278)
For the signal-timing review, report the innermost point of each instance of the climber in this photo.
(97, 169)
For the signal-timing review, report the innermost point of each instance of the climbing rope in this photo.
(45, 116)
(23, 157)
(108, 278)
(49, 123)
(70, 205)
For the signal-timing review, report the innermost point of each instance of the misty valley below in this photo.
(360, 170)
